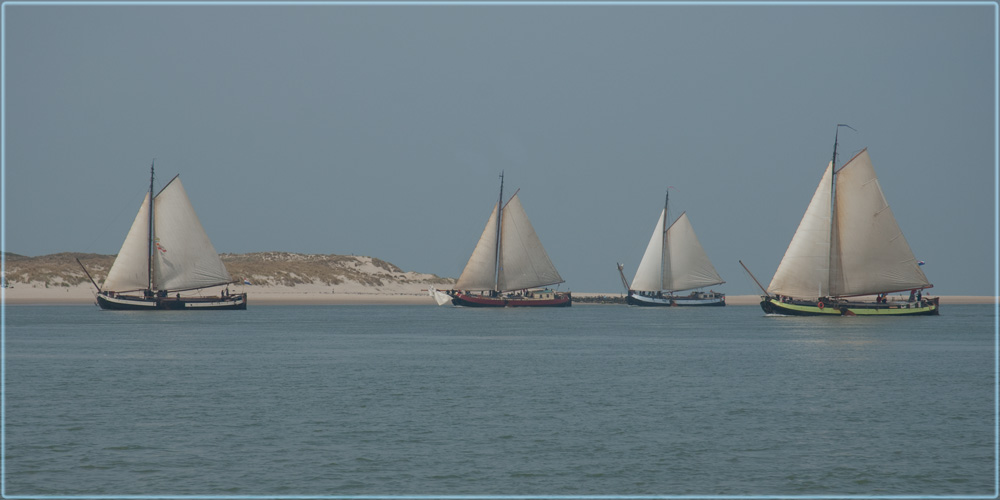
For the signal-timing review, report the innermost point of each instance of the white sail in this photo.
(681, 265)
(648, 277)
(183, 256)
(480, 271)
(130, 271)
(686, 265)
(850, 247)
(804, 271)
(523, 261)
(873, 255)
(440, 297)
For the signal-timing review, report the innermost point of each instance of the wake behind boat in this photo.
(848, 245)
(508, 265)
(166, 252)
(674, 261)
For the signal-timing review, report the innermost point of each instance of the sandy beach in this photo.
(257, 295)
(403, 294)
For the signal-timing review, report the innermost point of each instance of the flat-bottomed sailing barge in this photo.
(167, 252)
(674, 261)
(509, 264)
(848, 246)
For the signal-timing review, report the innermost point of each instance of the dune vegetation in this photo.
(260, 268)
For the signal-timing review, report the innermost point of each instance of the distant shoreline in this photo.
(307, 295)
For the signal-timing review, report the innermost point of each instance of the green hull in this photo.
(927, 307)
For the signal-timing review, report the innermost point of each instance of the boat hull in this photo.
(467, 300)
(926, 307)
(136, 303)
(695, 299)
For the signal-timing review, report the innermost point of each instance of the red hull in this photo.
(461, 299)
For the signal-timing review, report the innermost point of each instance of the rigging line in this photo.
(747, 282)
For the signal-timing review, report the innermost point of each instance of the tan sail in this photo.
(480, 271)
(689, 266)
(804, 271)
(130, 271)
(184, 258)
(852, 246)
(874, 256)
(523, 260)
(680, 265)
(649, 275)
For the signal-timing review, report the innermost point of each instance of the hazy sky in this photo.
(381, 129)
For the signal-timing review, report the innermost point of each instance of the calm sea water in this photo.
(422, 400)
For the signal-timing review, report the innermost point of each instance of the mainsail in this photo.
(649, 276)
(130, 270)
(805, 269)
(852, 246)
(689, 265)
(183, 256)
(674, 259)
(480, 272)
(522, 260)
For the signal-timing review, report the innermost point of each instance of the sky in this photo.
(382, 130)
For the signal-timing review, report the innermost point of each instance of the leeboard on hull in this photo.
(925, 307)
(711, 299)
(136, 303)
(548, 299)
(508, 266)
(848, 245)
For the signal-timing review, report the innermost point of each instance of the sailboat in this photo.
(166, 252)
(509, 266)
(847, 246)
(674, 262)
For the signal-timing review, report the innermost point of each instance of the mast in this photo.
(833, 181)
(833, 173)
(149, 251)
(833, 210)
(663, 247)
(496, 274)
